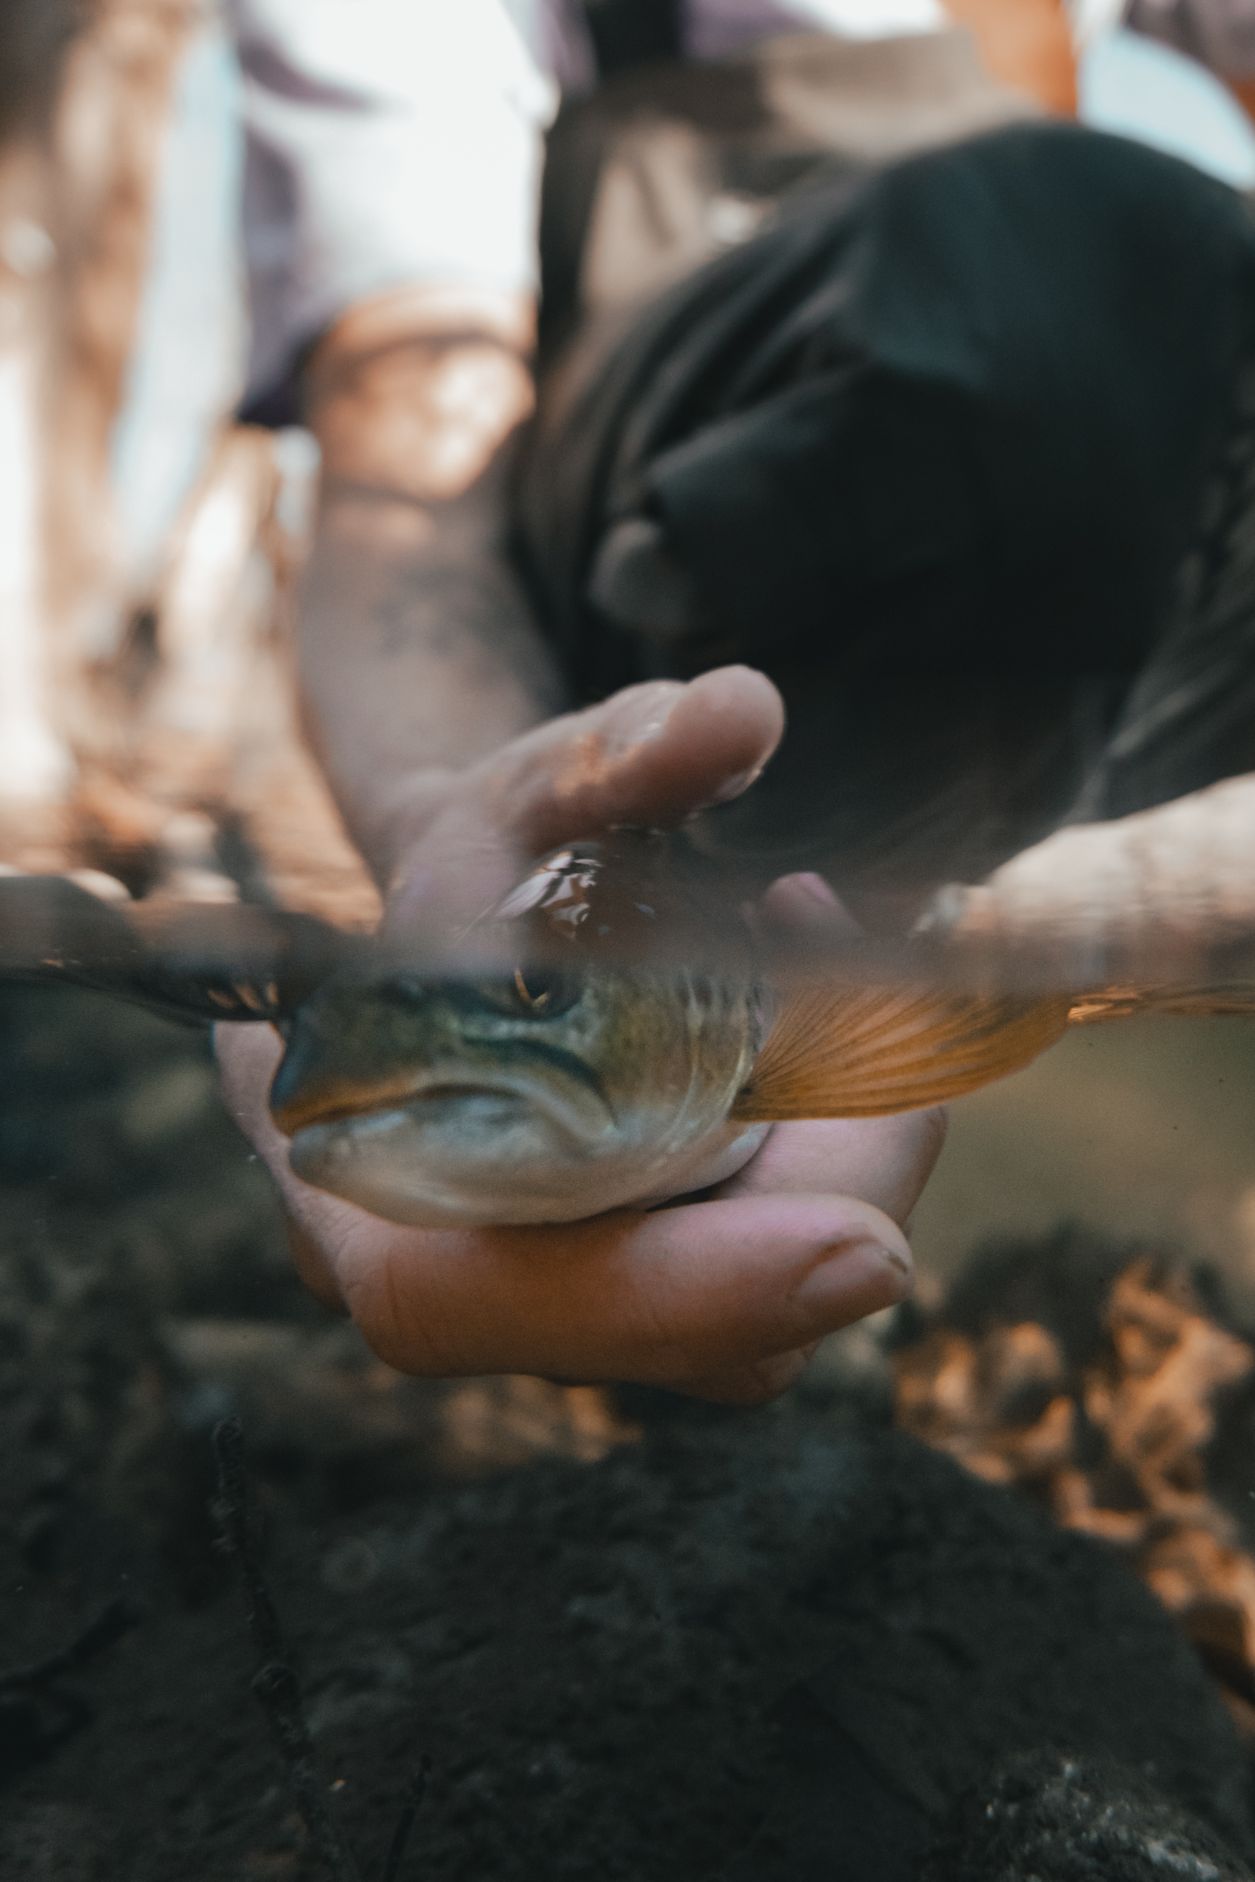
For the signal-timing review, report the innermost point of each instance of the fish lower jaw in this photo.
(503, 1175)
(470, 1102)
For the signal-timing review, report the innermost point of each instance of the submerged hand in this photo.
(721, 1297)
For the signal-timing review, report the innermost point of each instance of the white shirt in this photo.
(393, 141)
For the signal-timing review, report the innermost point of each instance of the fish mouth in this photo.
(349, 1109)
(440, 1099)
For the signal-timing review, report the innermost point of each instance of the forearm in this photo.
(1172, 880)
(416, 656)
(417, 653)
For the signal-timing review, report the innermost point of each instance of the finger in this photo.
(803, 903)
(460, 867)
(680, 1294)
(248, 1057)
(885, 1160)
(652, 754)
(649, 755)
(312, 1266)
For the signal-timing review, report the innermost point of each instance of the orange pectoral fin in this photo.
(870, 1052)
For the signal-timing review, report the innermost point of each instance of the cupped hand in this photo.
(722, 1297)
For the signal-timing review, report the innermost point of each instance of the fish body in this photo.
(611, 1037)
(605, 1071)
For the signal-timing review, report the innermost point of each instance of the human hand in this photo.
(1172, 880)
(649, 756)
(722, 1297)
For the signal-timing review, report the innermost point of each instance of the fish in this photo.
(592, 1076)
(612, 1034)
(582, 1079)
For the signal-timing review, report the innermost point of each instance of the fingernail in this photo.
(734, 787)
(806, 901)
(855, 1278)
(814, 888)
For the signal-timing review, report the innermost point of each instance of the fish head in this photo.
(580, 1079)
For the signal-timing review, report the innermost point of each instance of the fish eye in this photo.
(542, 994)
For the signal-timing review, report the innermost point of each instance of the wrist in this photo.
(421, 418)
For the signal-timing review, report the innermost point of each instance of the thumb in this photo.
(649, 755)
